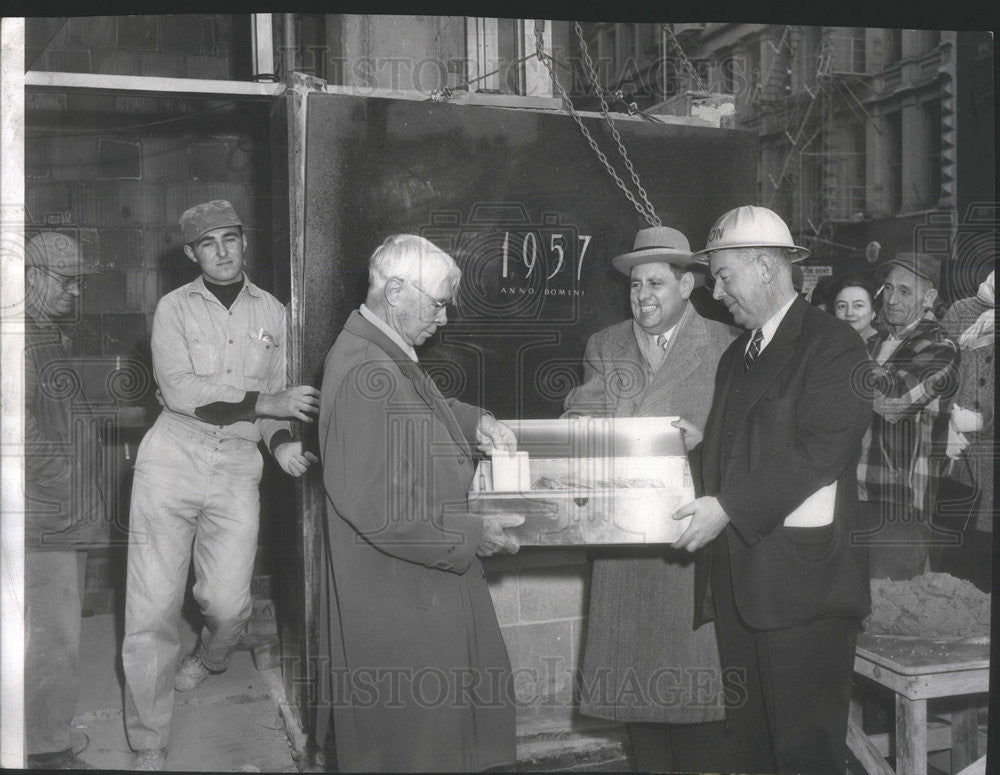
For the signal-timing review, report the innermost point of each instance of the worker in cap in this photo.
(915, 377)
(660, 362)
(65, 510)
(55, 256)
(219, 357)
(777, 569)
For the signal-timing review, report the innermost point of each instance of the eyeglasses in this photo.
(67, 282)
(439, 306)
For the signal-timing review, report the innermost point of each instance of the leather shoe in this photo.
(62, 760)
(191, 673)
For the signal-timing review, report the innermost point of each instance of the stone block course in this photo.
(138, 32)
(504, 590)
(164, 158)
(67, 61)
(162, 64)
(74, 157)
(47, 197)
(553, 593)
(114, 62)
(210, 66)
(208, 161)
(119, 159)
(90, 32)
(121, 248)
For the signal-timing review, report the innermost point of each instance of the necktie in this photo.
(661, 341)
(754, 350)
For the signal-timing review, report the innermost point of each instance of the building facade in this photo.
(871, 141)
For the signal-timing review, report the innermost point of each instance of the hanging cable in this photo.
(644, 209)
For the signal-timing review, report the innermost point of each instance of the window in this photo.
(894, 137)
(849, 195)
(496, 49)
(929, 40)
(729, 75)
(893, 46)
(930, 114)
(805, 58)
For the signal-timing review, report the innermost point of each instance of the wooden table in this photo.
(917, 669)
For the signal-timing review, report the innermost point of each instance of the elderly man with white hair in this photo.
(418, 678)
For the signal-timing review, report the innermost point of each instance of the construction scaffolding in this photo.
(812, 104)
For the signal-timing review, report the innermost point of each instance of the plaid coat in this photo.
(902, 453)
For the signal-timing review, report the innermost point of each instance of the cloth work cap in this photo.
(655, 244)
(750, 227)
(207, 216)
(56, 253)
(921, 264)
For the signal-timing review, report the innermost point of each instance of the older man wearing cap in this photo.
(641, 622)
(65, 506)
(219, 347)
(785, 584)
(915, 376)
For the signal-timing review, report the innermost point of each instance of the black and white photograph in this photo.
(385, 392)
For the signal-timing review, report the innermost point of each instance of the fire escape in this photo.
(817, 177)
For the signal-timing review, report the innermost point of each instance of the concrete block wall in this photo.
(540, 597)
(214, 46)
(120, 190)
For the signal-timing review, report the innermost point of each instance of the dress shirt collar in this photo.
(651, 351)
(390, 332)
(768, 329)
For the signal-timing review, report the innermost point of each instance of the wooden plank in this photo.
(938, 738)
(947, 684)
(864, 749)
(146, 83)
(964, 738)
(910, 655)
(978, 767)
(911, 736)
(935, 684)
(309, 494)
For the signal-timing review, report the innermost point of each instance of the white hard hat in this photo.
(750, 227)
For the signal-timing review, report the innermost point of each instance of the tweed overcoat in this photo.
(643, 659)
(419, 678)
(976, 375)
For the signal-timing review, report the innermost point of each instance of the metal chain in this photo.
(652, 220)
(685, 62)
(592, 72)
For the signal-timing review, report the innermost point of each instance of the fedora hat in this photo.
(655, 244)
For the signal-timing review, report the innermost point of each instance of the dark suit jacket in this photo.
(774, 436)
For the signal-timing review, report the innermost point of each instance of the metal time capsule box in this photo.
(588, 481)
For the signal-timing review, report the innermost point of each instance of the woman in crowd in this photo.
(854, 301)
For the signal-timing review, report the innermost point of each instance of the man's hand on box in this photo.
(690, 433)
(492, 434)
(494, 539)
(708, 519)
